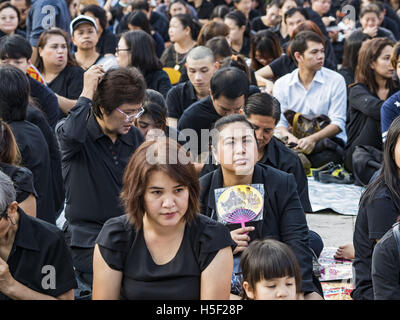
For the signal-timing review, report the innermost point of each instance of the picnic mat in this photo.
(336, 275)
(333, 197)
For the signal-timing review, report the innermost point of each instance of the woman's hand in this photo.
(91, 79)
(241, 238)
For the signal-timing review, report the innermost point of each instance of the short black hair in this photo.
(220, 47)
(140, 5)
(15, 47)
(263, 104)
(14, 94)
(229, 82)
(98, 12)
(112, 90)
(139, 19)
(220, 11)
(268, 259)
(240, 20)
(292, 11)
(299, 42)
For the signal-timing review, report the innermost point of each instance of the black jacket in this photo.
(283, 216)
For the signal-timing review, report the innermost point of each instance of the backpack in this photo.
(366, 161)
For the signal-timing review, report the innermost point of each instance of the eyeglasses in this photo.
(132, 115)
(119, 50)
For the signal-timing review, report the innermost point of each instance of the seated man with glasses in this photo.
(229, 89)
(97, 140)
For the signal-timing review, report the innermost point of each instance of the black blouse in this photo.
(125, 250)
(68, 83)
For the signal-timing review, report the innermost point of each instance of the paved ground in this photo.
(334, 229)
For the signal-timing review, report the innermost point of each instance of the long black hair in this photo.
(143, 54)
(389, 174)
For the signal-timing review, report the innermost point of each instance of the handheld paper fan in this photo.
(239, 204)
(240, 216)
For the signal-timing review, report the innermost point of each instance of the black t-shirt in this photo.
(39, 250)
(68, 83)
(257, 24)
(200, 115)
(36, 117)
(386, 268)
(22, 179)
(245, 50)
(107, 43)
(179, 98)
(122, 248)
(158, 80)
(36, 157)
(374, 219)
(205, 10)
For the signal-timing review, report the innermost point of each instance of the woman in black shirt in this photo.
(386, 266)
(239, 35)
(235, 148)
(183, 32)
(378, 211)
(21, 177)
(136, 49)
(59, 69)
(373, 85)
(183, 255)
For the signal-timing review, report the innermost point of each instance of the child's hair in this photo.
(268, 259)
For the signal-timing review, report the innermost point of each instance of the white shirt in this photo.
(326, 95)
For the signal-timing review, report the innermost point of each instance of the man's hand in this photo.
(91, 79)
(6, 279)
(306, 144)
(241, 238)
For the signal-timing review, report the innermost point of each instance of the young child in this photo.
(270, 271)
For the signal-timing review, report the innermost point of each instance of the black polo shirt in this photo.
(92, 170)
(38, 244)
(283, 216)
(179, 98)
(278, 156)
(36, 157)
